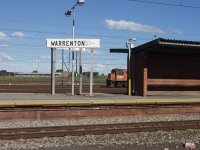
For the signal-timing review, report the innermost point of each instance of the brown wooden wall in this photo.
(167, 69)
(173, 72)
(140, 74)
(173, 66)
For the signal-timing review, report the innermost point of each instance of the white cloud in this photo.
(4, 56)
(44, 57)
(99, 67)
(174, 31)
(4, 45)
(3, 36)
(96, 52)
(18, 34)
(18, 67)
(131, 26)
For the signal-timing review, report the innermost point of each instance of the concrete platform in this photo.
(98, 99)
(43, 96)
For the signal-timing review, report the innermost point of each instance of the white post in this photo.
(62, 66)
(91, 70)
(53, 61)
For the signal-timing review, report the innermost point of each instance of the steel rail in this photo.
(80, 130)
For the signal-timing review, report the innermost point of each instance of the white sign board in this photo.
(73, 43)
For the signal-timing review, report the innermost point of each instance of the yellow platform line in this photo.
(27, 103)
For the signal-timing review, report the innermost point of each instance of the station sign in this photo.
(73, 43)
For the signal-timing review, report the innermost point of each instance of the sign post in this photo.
(53, 71)
(91, 71)
(80, 72)
(72, 43)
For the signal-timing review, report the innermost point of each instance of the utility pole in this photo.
(70, 12)
(129, 45)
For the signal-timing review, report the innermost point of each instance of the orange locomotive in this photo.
(117, 78)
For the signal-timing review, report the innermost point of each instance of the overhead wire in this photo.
(91, 28)
(30, 53)
(167, 4)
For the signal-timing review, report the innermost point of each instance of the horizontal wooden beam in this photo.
(181, 82)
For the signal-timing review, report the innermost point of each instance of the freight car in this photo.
(117, 78)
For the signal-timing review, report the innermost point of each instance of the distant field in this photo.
(47, 80)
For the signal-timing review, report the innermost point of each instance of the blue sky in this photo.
(26, 24)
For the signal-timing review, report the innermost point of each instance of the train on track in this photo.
(117, 78)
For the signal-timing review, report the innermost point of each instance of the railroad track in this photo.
(80, 130)
(58, 89)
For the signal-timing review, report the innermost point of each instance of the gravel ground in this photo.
(38, 123)
(160, 140)
(155, 140)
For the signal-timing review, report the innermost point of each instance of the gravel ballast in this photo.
(145, 140)
(155, 140)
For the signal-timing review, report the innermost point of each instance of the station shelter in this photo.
(165, 65)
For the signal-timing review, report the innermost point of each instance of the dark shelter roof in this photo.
(118, 50)
(161, 44)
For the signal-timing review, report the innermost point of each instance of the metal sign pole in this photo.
(91, 71)
(80, 71)
(129, 69)
(73, 29)
(72, 71)
(53, 60)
